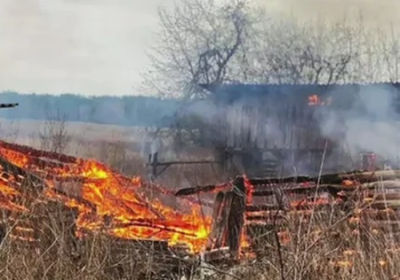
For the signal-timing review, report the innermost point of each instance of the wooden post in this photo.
(154, 161)
(215, 216)
(236, 217)
(223, 223)
(220, 227)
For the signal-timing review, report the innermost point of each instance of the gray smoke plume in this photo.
(371, 123)
(364, 121)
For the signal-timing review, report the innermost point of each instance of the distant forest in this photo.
(125, 111)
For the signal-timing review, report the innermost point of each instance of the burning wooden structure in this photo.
(272, 128)
(366, 201)
(49, 198)
(98, 198)
(87, 197)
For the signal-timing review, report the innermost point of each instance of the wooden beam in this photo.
(236, 218)
(200, 189)
(215, 216)
(222, 225)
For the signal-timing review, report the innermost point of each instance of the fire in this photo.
(315, 100)
(105, 195)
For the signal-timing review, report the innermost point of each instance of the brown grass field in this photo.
(328, 247)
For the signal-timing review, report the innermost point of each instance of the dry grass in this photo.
(327, 247)
(314, 253)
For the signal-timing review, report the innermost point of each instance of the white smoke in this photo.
(371, 123)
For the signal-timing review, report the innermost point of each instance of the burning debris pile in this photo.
(104, 200)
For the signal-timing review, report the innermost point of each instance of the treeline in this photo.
(126, 111)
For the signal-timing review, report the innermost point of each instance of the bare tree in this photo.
(323, 52)
(202, 42)
(9, 130)
(390, 54)
(197, 42)
(55, 137)
(205, 43)
(289, 52)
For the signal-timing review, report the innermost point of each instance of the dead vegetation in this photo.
(329, 247)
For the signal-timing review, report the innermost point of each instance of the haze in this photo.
(98, 47)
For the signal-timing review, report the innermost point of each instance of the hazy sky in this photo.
(97, 47)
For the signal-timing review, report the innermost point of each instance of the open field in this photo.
(117, 146)
(27, 132)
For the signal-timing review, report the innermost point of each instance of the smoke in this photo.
(361, 119)
(371, 123)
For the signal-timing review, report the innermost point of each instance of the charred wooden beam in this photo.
(159, 225)
(216, 255)
(80, 200)
(382, 196)
(333, 179)
(168, 163)
(18, 171)
(154, 163)
(215, 216)
(8, 105)
(331, 182)
(265, 222)
(3, 232)
(395, 205)
(38, 153)
(236, 218)
(333, 190)
(387, 184)
(263, 207)
(202, 189)
(222, 225)
(325, 179)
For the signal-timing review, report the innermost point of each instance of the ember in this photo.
(315, 100)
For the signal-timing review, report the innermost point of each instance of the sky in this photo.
(98, 47)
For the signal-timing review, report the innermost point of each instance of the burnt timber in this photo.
(8, 105)
(365, 200)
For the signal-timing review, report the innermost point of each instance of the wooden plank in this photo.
(387, 184)
(385, 204)
(219, 254)
(376, 196)
(236, 217)
(222, 224)
(263, 207)
(215, 217)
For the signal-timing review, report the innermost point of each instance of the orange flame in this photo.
(315, 100)
(106, 194)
